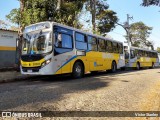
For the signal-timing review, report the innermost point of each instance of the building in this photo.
(7, 48)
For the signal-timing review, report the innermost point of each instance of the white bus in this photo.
(51, 48)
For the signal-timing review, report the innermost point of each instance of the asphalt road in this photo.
(123, 91)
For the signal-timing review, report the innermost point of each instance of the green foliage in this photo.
(41, 10)
(14, 16)
(3, 24)
(139, 33)
(147, 3)
(105, 19)
(68, 14)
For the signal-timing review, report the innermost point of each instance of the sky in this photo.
(149, 15)
(6, 6)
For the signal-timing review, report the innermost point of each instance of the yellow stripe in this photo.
(7, 48)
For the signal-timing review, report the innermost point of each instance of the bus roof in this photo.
(84, 32)
(68, 27)
(143, 49)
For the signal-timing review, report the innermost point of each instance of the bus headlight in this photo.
(46, 62)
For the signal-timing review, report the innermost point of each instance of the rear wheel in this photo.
(152, 66)
(78, 70)
(138, 66)
(114, 67)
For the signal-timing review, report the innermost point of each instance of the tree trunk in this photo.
(21, 15)
(59, 4)
(20, 35)
(93, 12)
(152, 47)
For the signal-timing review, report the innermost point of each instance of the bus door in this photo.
(133, 58)
(63, 49)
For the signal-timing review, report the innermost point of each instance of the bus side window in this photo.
(101, 45)
(92, 43)
(58, 42)
(81, 42)
(120, 48)
(63, 41)
(132, 54)
(109, 47)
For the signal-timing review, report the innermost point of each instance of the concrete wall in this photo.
(7, 48)
(7, 58)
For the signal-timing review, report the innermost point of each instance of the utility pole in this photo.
(126, 26)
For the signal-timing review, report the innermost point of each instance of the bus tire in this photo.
(114, 67)
(138, 66)
(152, 67)
(78, 70)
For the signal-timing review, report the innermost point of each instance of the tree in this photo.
(103, 19)
(68, 12)
(139, 34)
(4, 24)
(32, 11)
(151, 2)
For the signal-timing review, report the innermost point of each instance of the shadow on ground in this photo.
(45, 89)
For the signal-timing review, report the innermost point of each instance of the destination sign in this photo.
(37, 27)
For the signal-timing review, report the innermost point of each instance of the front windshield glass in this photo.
(37, 43)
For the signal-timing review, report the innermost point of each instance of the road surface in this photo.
(122, 91)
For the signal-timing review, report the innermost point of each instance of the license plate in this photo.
(29, 71)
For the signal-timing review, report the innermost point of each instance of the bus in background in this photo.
(138, 57)
(51, 48)
(159, 57)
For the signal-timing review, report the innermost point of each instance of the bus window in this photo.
(120, 46)
(126, 54)
(92, 43)
(109, 47)
(81, 43)
(101, 45)
(63, 43)
(115, 47)
(140, 53)
(132, 54)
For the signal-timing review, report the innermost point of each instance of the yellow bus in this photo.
(50, 48)
(138, 57)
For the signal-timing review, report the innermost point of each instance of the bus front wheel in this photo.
(78, 70)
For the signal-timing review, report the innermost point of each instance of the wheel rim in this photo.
(138, 66)
(114, 67)
(78, 70)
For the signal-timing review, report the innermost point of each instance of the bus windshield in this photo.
(37, 43)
